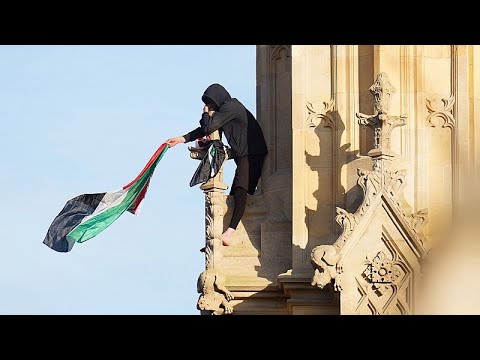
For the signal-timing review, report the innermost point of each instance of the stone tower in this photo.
(371, 148)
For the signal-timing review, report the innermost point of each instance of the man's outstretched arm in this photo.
(210, 121)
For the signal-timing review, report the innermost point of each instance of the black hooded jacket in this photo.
(243, 133)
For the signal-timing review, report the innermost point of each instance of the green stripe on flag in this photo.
(97, 224)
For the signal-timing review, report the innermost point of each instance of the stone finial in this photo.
(382, 91)
(382, 122)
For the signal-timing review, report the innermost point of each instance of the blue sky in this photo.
(86, 119)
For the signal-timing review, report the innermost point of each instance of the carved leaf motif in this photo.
(395, 181)
(315, 116)
(345, 219)
(366, 120)
(437, 103)
(370, 182)
(439, 107)
(418, 222)
(395, 121)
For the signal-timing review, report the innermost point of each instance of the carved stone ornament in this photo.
(210, 202)
(439, 107)
(419, 220)
(382, 90)
(381, 184)
(317, 113)
(382, 123)
(324, 259)
(381, 273)
(213, 293)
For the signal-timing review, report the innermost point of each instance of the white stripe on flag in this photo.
(110, 199)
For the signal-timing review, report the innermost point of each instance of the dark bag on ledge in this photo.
(211, 163)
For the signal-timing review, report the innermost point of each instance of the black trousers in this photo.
(247, 174)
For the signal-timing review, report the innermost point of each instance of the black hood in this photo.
(217, 94)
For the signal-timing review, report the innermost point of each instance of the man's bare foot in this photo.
(226, 236)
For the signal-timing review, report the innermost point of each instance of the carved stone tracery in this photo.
(381, 273)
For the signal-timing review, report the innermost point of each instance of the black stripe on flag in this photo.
(72, 214)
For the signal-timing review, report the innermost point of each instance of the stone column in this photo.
(214, 296)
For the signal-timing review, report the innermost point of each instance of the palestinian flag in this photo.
(87, 215)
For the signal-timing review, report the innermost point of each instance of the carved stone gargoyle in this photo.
(213, 293)
(324, 259)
